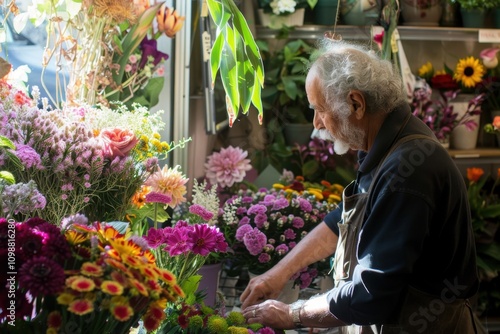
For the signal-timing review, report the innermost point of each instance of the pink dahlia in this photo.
(227, 166)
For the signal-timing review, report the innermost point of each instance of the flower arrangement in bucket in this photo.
(94, 277)
(439, 114)
(262, 226)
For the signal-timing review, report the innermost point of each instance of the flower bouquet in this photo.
(439, 114)
(91, 277)
(262, 226)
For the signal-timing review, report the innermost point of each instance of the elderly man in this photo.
(402, 238)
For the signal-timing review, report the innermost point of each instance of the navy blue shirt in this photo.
(417, 229)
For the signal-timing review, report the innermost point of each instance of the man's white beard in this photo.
(340, 147)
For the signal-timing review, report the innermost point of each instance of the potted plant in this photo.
(473, 11)
(279, 13)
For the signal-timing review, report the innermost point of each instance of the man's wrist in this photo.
(295, 309)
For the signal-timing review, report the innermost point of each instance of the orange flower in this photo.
(81, 306)
(474, 174)
(74, 237)
(496, 122)
(82, 284)
(112, 288)
(122, 312)
(139, 198)
(91, 269)
(167, 276)
(116, 264)
(169, 21)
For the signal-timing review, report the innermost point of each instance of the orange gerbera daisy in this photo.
(474, 174)
(81, 306)
(139, 198)
(112, 288)
(139, 287)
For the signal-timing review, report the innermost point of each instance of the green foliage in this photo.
(477, 4)
(236, 55)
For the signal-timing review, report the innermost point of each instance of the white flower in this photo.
(283, 6)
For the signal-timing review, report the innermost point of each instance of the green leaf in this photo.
(491, 211)
(215, 56)
(291, 88)
(191, 284)
(245, 76)
(6, 142)
(153, 89)
(7, 176)
(257, 100)
(229, 75)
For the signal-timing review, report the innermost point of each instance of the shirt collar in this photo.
(385, 138)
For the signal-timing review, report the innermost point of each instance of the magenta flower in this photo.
(227, 167)
(204, 239)
(289, 234)
(254, 241)
(298, 222)
(257, 209)
(242, 231)
(260, 220)
(201, 211)
(155, 197)
(280, 204)
(305, 205)
(155, 237)
(264, 258)
(28, 156)
(178, 242)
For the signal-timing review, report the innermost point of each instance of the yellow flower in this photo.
(112, 288)
(74, 237)
(80, 283)
(81, 306)
(469, 72)
(91, 269)
(426, 70)
(65, 298)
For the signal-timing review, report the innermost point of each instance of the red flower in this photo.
(444, 81)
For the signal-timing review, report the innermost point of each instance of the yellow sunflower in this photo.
(469, 72)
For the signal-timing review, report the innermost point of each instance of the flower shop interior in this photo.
(128, 157)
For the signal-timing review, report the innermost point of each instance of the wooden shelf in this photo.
(475, 153)
(364, 33)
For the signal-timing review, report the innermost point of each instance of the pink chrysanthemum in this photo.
(169, 181)
(154, 197)
(254, 241)
(227, 166)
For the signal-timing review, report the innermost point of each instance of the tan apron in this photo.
(452, 317)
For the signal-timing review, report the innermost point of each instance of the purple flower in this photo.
(242, 231)
(282, 249)
(305, 205)
(155, 237)
(289, 234)
(201, 211)
(156, 197)
(256, 209)
(178, 242)
(260, 219)
(243, 221)
(28, 156)
(280, 204)
(241, 210)
(204, 239)
(269, 199)
(264, 258)
(41, 276)
(254, 241)
(150, 49)
(266, 330)
(298, 222)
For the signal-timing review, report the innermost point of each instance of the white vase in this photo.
(289, 294)
(461, 138)
(416, 14)
(279, 21)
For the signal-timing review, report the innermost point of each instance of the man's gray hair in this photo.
(343, 66)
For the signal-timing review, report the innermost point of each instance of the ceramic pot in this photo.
(209, 282)
(360, 12)
(279, 21)
(461, 138)
(473, 18)
(421, 13)
(298, 133)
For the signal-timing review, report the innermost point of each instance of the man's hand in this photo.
(271, 313)
(262, 287)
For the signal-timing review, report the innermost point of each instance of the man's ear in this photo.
(356, 99)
